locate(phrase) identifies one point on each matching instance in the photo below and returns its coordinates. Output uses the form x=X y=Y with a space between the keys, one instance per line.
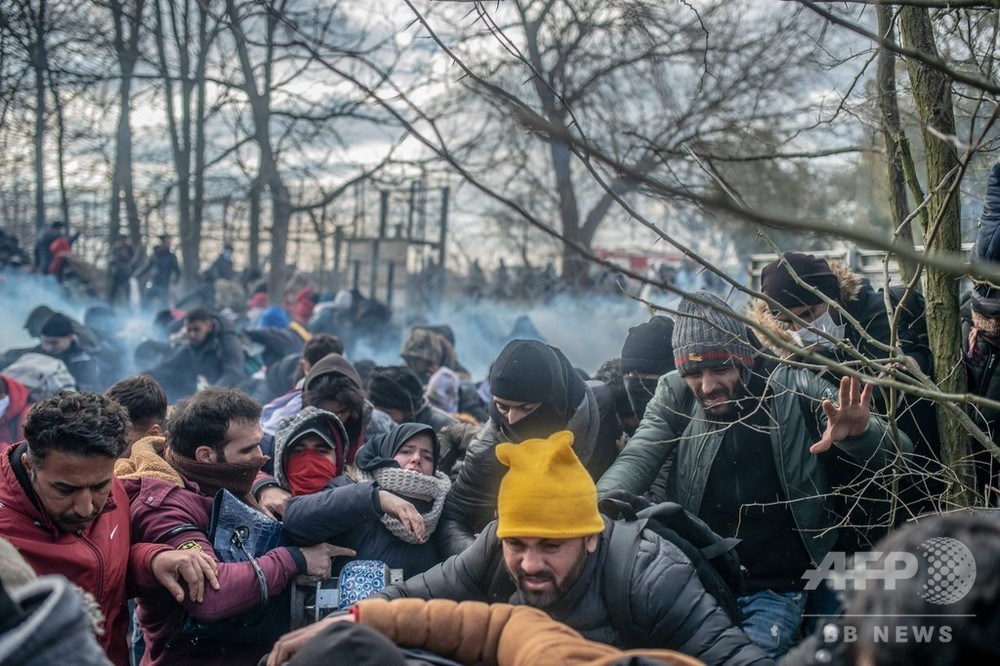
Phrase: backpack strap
x=623 y=547
x=721 y=547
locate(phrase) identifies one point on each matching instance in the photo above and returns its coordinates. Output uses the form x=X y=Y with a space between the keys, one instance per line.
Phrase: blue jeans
x=771 y=619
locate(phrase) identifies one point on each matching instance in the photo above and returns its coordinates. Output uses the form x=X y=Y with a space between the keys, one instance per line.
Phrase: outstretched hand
x=849 y=418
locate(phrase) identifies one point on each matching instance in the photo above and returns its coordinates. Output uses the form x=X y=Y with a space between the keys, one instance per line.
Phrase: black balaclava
x=532 y=371
x=640 y=391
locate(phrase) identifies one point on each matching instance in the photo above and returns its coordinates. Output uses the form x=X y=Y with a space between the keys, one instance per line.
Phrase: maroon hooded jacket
x=99 y=559
x=12 y=421
x=159 y=508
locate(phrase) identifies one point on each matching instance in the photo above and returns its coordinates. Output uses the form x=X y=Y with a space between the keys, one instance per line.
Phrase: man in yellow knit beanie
x=548 y=518
x=551 y=549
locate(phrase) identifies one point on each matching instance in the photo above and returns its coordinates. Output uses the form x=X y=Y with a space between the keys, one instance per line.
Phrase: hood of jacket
x=333 y=364
x=382 y=449
x=759 y=311
x=291 y=428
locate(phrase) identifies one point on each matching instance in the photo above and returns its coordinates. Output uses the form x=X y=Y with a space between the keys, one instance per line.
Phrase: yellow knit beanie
x=547 y=493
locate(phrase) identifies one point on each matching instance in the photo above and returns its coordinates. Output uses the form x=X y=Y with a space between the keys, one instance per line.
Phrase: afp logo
x=948 y=565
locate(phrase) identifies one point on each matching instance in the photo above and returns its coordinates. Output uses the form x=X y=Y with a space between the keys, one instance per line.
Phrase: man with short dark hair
x=212 y=352
x=59 y=340
x=213 y=443
x=146 y=403
x=553 y=551
x=61 y=506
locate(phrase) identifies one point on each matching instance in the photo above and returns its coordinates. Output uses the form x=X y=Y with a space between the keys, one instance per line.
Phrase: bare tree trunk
x=183 y=121
x=198 y=200
x=281 y=206
x=127 y=49
x=39 y=63
x=60 y=148
x=932 y=94
x=254 y=231
x=896 y=142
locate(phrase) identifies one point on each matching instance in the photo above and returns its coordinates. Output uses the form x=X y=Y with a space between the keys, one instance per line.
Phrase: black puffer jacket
x=472 y=502
x=670 y=608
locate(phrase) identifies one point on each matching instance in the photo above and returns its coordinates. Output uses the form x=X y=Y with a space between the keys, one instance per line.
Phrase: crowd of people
x=671 y=509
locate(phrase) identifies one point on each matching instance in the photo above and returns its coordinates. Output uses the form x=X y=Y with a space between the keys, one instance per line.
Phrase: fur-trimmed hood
x=759 y=310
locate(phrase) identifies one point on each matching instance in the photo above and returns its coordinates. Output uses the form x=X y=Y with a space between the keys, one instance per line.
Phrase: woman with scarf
x=385 y=506
x=535 y=393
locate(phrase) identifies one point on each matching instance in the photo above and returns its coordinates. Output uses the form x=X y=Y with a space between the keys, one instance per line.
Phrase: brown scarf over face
x=237 y=478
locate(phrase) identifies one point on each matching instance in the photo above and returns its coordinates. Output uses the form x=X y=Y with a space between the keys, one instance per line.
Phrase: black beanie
x=647 y=349
x=57 y=326
x=778 y=282
x=985 y=300
x=528 y=371
x=395 y=387
x=709 y=336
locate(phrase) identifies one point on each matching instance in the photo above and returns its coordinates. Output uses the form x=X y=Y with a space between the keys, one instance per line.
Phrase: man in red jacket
x=14 y=406
x=61 y=506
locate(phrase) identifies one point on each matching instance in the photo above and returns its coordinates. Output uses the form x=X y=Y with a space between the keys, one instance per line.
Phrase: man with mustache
x=737 y=427
x=551 y=549
x=66 y=513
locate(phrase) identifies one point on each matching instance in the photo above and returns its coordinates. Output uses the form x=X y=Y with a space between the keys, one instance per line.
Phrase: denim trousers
x=771 y=619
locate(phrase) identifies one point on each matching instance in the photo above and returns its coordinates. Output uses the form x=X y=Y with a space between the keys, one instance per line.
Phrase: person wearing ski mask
x=385 y=507
x=647 y=355
x=309 y=451
x=535 y=393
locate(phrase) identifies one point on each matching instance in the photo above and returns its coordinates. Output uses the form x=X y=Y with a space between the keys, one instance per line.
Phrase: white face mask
x=4 y=404
x=810 y=337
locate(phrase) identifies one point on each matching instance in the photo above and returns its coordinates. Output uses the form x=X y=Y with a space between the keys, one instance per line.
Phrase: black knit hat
x=395 y=387
x=647 y=349
x=985 y=300
x=528 y=371
x=709 y=336
x=778 y=282
x=57 y=326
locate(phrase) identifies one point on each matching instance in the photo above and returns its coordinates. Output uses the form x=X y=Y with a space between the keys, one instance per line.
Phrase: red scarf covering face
x=309 y=471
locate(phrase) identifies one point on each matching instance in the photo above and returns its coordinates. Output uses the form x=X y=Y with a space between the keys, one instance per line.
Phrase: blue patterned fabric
x=360 y=579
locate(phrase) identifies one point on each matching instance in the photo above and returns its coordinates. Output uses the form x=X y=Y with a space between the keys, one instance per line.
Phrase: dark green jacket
x=675 y=425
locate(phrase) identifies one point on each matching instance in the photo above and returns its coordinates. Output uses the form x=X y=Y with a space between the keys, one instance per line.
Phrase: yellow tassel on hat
x=546 y=493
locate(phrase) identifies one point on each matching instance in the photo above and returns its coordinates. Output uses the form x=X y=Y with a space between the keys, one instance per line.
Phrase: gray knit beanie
x=708 y=336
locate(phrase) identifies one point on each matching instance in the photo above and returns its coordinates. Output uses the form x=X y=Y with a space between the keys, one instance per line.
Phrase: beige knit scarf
x=407 y=483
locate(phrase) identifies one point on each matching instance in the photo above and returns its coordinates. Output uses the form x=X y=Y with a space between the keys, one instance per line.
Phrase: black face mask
x=640 y=391
x=541 y=423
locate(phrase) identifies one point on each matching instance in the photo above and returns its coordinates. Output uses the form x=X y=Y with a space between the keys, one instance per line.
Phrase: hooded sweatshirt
x=335 y=364
x=291 y=430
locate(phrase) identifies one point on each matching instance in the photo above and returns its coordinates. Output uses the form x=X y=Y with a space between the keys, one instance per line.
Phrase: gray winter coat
x=670 y=608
